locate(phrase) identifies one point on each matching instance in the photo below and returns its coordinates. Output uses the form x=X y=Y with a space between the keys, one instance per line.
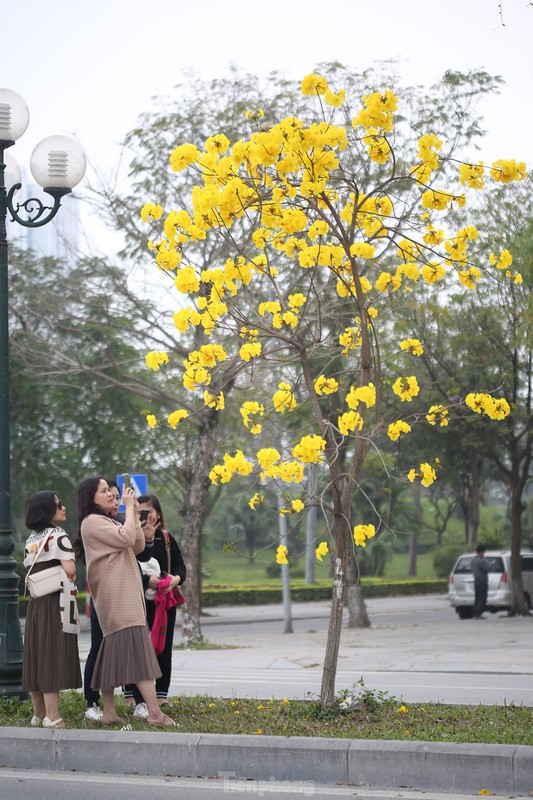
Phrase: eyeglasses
x=59 y=505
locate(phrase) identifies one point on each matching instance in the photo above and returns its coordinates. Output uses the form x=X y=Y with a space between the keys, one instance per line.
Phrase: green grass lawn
x=374 y=715
x=230 y=569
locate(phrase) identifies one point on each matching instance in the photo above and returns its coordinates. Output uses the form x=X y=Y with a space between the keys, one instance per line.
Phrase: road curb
x=302 y=761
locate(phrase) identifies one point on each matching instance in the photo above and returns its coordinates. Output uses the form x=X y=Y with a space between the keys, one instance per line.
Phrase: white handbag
x=46 y=581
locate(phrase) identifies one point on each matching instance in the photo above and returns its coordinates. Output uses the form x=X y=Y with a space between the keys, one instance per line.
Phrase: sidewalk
x=500 y=645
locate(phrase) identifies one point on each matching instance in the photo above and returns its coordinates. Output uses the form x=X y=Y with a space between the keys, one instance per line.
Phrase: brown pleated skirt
x=51 y=660
x=126 y=656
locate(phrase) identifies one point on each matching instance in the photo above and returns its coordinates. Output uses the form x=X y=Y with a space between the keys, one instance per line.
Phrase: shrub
x=444 y=558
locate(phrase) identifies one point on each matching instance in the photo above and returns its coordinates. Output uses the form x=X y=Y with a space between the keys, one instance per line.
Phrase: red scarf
x=162 y=603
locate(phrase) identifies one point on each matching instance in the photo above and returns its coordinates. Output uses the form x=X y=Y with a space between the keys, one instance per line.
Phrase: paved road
x=417 y=649
x=21 y=785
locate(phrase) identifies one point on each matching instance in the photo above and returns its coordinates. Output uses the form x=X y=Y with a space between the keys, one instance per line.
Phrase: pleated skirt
x=51 y=660
x=126 y=656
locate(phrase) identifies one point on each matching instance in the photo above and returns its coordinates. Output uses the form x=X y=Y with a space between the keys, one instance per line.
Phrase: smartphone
x=126 y=480
x=143 y=514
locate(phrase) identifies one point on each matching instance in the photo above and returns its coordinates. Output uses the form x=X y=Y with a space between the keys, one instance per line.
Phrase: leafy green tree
x=74 y=391
x=489 y=342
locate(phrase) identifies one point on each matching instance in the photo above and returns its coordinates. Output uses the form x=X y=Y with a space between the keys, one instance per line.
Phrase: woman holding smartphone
x=126 y=654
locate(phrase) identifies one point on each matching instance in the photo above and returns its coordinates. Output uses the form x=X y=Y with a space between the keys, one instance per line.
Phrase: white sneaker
x=141 y=710
x=94 y=713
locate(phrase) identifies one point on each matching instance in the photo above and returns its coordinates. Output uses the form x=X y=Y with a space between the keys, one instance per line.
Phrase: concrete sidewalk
x=500 y=644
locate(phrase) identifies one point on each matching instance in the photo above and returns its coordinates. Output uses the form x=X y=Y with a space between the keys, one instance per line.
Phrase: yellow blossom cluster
x=281 y=555
x=361 y=394
x=396 y=429
x=414 y=346
x=283 y=399
x=296 y=506
x=350 y=340
x=325 y=385
x=428 y=147
x=506 y=171
x=233 y=465
x=426 y=473
x=250 y=350
x=154 y=360
x=321 y=551
x=349 y=422
x=256 y=500
x=252 y=408
x=269 y=460
x=317 y=84
x=309 y=449
x=377 y=111
x=495 y=408
x=438 y=414
x=151 y=211
x=363 y=532
x=176 y=417
x=406 y=388
x=216 y=401
x=198 y=364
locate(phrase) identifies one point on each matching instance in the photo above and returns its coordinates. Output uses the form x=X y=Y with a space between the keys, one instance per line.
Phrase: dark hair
x=156 y=505
x=480 y=548
x=85 y=506
x=112 y=484
x=42 y=508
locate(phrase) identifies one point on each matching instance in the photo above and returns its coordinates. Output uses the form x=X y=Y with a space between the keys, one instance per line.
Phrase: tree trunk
x=473 y=488
x=413 y=543
x=329 y=670
x=193 y=513
x=517 y=508
x=353 y=597
x=413 y=538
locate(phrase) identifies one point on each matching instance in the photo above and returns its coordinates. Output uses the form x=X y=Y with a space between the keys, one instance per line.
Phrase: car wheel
x=465 y=612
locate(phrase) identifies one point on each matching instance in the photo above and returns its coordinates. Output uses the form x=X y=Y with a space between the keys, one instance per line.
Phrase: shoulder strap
x=166 y=537
x=44 y=541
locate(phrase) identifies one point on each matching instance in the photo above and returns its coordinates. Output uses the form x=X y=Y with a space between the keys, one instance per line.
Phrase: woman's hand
x=173 y=583
x=153 y=580
x=128 y=497
x=149 y=530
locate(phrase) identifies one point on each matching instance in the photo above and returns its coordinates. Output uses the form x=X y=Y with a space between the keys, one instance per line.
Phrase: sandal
x=36 y=722
x=165 y=723
x=53 y=723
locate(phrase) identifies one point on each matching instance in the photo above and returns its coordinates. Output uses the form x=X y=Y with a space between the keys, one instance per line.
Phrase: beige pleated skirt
x=51 y=660
x=126 y=656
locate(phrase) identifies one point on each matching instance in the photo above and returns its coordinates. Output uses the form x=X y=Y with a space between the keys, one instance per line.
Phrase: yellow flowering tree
x=328 y=214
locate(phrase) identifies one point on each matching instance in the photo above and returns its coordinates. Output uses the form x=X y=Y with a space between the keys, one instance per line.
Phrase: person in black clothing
x=92 y=696
x=480 y=572
x=163 y=547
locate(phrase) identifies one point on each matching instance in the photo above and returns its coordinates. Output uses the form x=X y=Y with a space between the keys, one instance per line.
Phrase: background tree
x=489 y=342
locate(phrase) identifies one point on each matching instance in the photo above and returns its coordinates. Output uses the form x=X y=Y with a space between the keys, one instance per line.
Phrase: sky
x=90 y=69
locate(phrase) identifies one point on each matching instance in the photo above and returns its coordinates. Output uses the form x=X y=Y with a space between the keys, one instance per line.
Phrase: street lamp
x=57 y=164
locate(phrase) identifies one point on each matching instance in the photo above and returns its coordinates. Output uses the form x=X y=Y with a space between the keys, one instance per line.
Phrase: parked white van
x=500 y=592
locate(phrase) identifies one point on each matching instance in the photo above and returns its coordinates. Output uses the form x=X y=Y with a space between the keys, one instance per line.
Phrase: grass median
x=359 y=714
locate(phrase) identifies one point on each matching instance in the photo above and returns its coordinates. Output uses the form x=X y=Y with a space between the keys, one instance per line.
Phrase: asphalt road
x=22 y=785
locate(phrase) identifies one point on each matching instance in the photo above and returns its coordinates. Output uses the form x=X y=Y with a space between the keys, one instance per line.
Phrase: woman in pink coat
x=126 y=654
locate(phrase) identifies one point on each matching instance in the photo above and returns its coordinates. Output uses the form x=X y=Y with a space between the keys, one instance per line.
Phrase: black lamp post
x=57 y=164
